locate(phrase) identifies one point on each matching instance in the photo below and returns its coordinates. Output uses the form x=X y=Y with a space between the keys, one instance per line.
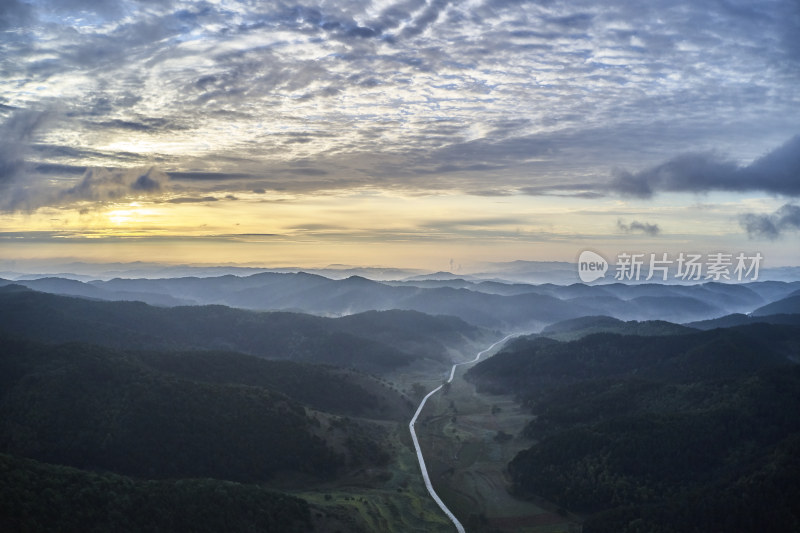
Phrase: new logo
x=591 y=266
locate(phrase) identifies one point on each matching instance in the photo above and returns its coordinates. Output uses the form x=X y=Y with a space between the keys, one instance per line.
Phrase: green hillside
x=361 y=342
x=587 y=325
x=695 y=432
x=37 y=497
x=94 y=408
x=325 y=388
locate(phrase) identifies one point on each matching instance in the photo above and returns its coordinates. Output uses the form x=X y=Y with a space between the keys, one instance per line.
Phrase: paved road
x=421 y=459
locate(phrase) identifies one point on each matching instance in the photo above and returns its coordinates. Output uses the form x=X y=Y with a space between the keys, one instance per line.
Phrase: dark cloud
x=638 y=227
x=690 y=172
x=192 y=200
x=579 y=21
x=145 y=183
x=428 y=16
x=56 y=152
x=59 y=169
x=207 y=176
x=395 y=15
x=101 y=185
x=489 y=193
x=27 y=186
x=586 y=195
x=16 y=135
x=14 y=14
x=772 y=226
x=791 y=36
x=308 y=171
x=777 y=172
x=157 y=124
x=573 y=190
x=17 y=175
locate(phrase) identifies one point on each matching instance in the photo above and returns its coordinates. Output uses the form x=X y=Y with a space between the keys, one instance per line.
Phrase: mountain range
x=489 y=304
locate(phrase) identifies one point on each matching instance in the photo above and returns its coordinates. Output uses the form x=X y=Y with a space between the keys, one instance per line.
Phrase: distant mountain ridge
x=789 y=305
x=482 y=303
x=580 y=327
x=518 y=271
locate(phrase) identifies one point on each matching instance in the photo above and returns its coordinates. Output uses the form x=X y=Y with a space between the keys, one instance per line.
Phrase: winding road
x=420 y=458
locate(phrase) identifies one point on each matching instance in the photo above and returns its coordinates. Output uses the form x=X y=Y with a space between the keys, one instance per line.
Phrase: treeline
x=685 y=433
x=532 y=365
x=37 y=497
x=183 y=426
x=90 y=407
x=322 y=387
x=580 y=327
x=362 y=342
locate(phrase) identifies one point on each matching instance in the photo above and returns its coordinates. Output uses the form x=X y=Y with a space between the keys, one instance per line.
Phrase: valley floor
x=467 y=439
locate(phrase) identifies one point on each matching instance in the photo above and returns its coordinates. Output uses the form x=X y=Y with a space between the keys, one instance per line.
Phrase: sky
x=418 y=133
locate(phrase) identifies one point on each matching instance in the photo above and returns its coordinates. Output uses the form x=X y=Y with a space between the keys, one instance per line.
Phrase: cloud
x=772 y=226
x=494 y=95
x=207 y=176
x=428 y=16
x=146 y=125
x=106 y=8
x=102 y=185
x=98 y=185
x=59 y=169
x=192 y=200
x=636 y=226
x=26 y=185
x=564 y=190
x=16 y=135
x=14 y=13
x=777 y=172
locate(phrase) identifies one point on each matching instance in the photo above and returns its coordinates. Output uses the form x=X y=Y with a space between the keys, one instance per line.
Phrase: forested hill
x=586 y=325
x=93 y=408
x=140 y=422
x=530 y=363
x=359 y=341
x=37 y=497
x=322 y=387
x=695 y=432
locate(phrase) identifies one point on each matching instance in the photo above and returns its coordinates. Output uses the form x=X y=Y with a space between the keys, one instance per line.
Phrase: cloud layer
x=486 y=96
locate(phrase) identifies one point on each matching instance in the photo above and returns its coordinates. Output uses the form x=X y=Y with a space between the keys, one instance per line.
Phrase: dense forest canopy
x=685 y=432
